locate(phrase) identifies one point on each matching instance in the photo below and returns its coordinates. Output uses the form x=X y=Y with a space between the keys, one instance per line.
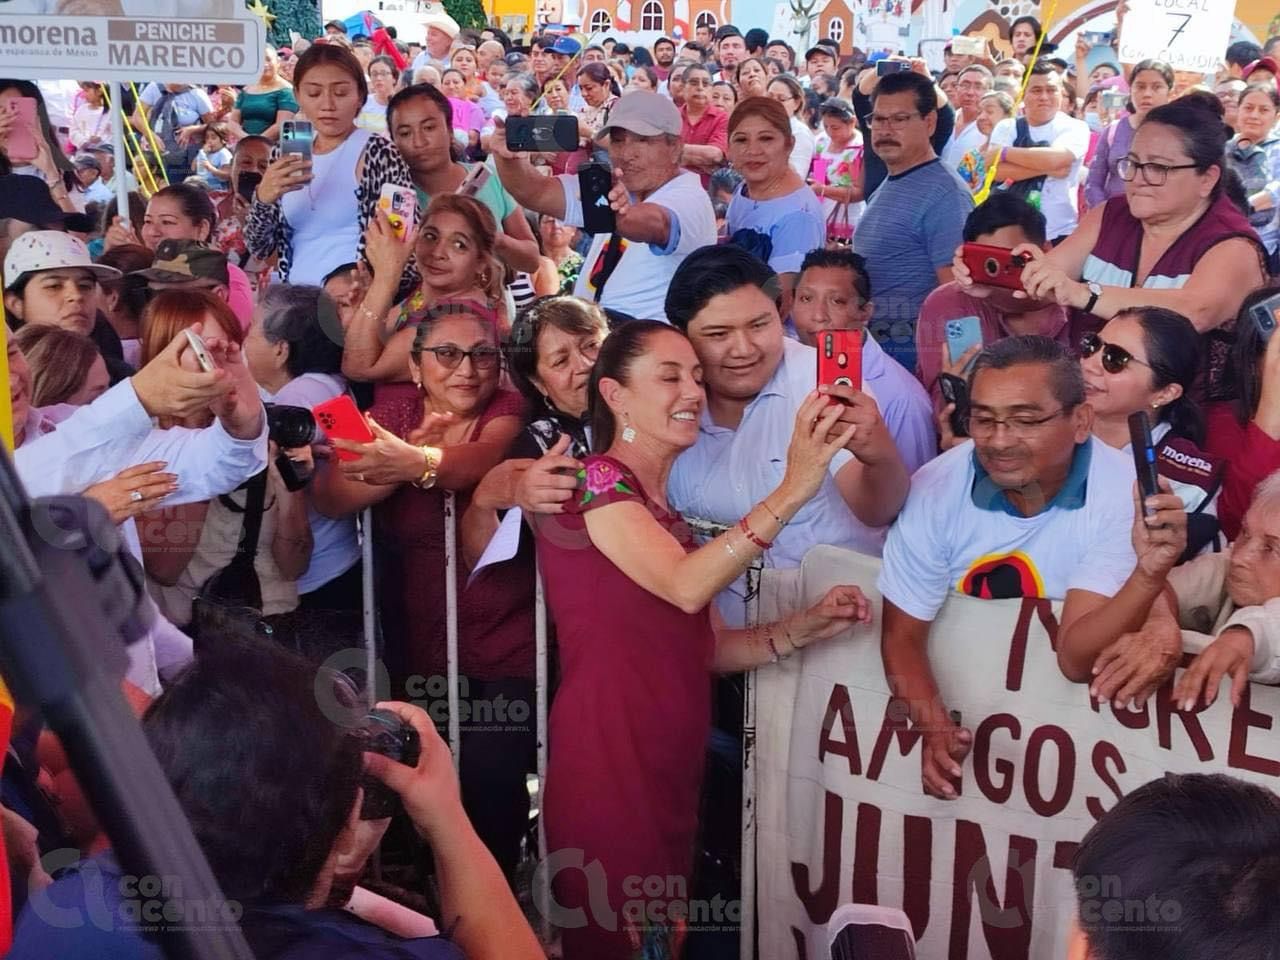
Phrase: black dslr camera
x=290 y=427
x=381 y=731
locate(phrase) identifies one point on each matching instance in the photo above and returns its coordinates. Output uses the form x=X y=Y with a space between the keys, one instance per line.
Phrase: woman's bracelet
x=431 y=467
x=751 y=535
x=769 y=510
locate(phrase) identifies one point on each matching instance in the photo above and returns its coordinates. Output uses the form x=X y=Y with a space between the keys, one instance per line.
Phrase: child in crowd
x=213 y=162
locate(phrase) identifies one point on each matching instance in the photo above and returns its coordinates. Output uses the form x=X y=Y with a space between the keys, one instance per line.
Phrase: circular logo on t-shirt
x=1003 y=576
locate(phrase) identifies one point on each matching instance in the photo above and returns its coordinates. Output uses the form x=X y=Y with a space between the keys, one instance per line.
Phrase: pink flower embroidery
x=601 y=476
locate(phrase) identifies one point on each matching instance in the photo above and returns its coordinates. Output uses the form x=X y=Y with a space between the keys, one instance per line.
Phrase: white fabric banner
x=843 y=816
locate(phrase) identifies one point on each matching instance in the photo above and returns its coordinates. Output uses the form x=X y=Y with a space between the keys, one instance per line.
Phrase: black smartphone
x=955 y=390
x=1144 y=455
x=1265 y=316
x=858 y=931
x=886 y=67
x=595 y=180
x=558 y=134
x=248 y=182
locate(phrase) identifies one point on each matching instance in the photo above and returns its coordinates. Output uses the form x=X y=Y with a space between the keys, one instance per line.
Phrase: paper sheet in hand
x=503 y=544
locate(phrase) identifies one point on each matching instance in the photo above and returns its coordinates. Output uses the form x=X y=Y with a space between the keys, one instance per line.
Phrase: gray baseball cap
x=645 y=113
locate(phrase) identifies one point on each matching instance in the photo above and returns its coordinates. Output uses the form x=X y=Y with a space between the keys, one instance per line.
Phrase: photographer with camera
x=282 y=827
x=294 y=351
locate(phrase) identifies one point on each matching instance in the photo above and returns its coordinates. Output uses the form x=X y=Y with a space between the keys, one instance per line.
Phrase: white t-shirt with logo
x=638 y=286
x=1058 y=198
x=962 y=141
x=942 y=541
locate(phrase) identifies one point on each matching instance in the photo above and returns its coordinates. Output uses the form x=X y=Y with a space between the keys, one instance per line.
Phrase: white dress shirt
x=115 y=432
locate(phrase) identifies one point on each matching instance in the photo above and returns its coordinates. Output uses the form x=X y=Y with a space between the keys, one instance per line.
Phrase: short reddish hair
x=767 y=109
x=173 y=310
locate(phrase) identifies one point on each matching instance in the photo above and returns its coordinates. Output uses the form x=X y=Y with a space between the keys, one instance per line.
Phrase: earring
x=628 y=431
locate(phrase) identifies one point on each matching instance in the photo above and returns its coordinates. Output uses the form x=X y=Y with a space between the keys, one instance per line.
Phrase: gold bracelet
x=431 y=467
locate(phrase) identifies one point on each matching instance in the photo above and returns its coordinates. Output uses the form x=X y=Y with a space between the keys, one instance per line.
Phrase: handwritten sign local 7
x=842 y=815
x=196 y=41
x=1187 y=34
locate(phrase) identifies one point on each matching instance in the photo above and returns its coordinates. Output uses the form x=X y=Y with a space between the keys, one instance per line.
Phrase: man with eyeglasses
x=915 y=221
x=971 y=86
x=1033 y=506
x=1043 y=151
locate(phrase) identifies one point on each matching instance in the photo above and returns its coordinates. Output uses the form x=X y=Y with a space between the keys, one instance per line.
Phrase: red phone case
x=993 y=266
x=840 y=358
x=22 y=135
x=340 y=418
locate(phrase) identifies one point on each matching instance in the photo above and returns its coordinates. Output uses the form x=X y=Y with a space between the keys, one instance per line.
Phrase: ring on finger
x=136 y=496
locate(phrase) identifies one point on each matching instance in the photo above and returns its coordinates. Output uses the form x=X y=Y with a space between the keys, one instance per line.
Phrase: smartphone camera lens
x=992 y=266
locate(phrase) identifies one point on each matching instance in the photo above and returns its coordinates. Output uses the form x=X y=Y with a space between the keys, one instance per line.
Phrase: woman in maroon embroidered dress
x=630 y=594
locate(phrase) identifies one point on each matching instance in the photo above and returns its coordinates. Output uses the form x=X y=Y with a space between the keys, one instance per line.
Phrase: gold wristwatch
x=431 y=467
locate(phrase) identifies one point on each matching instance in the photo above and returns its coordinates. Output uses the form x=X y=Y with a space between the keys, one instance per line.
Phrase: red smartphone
x=21 y=146
x=840 y=358
x=340 y=418
x=994 y=266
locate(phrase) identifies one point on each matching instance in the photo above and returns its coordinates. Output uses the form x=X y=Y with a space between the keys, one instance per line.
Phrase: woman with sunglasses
x=1147 y=359
x=455 y=252
x=1173 y=240
x=1246 y=430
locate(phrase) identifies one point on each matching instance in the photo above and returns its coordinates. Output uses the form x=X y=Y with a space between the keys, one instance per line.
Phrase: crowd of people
x=635 y=413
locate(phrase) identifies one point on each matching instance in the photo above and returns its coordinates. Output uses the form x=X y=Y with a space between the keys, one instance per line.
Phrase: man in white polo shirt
x=1060 y=145
x=1033 y=506
x=662 y=212
x=972 y=85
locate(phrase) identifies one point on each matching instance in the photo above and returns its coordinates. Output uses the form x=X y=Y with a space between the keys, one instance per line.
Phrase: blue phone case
x=963 y=333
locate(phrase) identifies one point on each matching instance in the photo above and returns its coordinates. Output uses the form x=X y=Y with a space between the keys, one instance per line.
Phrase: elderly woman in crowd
x=519 y=92
x=455 y=251
x=313 y=213
x=178 y=572
x=1173 y=240
x=650 y=593
x=293 y=352
x=773 y=213
x=455 y=429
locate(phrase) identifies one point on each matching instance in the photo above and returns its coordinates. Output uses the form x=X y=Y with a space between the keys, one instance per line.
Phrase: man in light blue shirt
x=833 y=292
x=756 y=379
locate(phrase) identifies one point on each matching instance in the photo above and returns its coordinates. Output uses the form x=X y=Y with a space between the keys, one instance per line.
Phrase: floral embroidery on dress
x=601 y=476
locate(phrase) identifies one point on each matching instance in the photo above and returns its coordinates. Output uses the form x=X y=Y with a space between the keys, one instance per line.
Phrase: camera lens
x=290 y=427
x=992 y=266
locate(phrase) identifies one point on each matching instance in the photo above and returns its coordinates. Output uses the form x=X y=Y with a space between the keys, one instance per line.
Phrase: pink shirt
x=949 y=302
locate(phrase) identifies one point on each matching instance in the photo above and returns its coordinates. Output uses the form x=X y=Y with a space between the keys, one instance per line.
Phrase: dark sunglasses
x=1114 y=359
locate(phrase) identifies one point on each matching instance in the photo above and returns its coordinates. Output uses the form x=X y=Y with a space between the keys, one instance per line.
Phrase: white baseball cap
x=41 y=250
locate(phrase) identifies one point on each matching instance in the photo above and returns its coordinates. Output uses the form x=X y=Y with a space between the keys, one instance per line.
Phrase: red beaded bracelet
x=750 y=535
